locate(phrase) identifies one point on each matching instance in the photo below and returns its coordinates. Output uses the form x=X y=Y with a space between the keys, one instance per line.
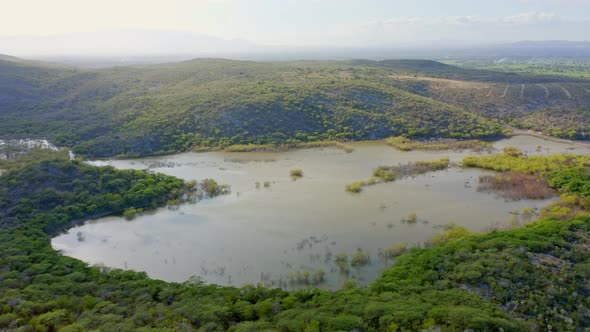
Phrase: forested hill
x=166 y=108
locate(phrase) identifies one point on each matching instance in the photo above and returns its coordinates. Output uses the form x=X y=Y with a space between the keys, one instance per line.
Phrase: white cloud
x=536 y=25
x=530 y=18
x=523 y=18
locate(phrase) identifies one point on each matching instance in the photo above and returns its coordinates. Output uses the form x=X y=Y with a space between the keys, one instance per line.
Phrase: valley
x=355 y=195
x=294 y=166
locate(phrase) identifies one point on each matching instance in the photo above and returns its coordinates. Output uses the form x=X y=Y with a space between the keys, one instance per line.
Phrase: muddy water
x=270 y=234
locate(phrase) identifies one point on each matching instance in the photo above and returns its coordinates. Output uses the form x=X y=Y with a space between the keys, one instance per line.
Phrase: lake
x=276 y=235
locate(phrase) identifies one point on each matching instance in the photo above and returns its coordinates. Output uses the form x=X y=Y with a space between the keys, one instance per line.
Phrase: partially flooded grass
x=394 y=251
x=307 y=277
x=360 y=258
x=384 y=174
x=516 y=186
x=412 y=218
x=405 y=144
x=296 y=173
x=452 y=232
x=341 y=261
x=288 y=146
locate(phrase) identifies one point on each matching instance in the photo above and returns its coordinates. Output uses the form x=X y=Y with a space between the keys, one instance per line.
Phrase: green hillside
x=209 y=102
x=146 y=110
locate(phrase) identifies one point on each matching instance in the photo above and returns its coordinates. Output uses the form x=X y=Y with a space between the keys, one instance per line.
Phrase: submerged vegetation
x=209 y=188
x=307 y=277
x=360 y=258
x=405 y=144
x=384 y=174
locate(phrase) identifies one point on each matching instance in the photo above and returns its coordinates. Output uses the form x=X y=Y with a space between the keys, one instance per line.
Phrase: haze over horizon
x=153 y=27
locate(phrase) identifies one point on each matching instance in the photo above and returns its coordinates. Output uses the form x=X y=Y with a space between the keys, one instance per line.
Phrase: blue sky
x=311 y=22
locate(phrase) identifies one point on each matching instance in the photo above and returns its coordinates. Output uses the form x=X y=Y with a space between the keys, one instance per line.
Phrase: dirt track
x=567 y=93
x=505 y=91
x=547 y=93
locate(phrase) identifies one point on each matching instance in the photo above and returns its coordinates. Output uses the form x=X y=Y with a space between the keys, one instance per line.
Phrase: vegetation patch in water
x=453 y=232
x=394 y=251
x=412 y=218
x=384 y=174
x=405 y=144
x=288 y=146
x=131 y=213
x=296 y=173
x=566 y=173
x=307 y=277
x=360 y=258
x=342 y=262
x=210 y=188
x=516 y=186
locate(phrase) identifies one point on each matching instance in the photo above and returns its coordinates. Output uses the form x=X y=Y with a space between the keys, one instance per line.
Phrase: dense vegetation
x=213 y=103
x=217 y=103
x=567 y=67
x=51 y=194
x=557 y=122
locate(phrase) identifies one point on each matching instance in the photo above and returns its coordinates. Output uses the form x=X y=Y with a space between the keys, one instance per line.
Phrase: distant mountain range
x=104 y=49
x=121 y=43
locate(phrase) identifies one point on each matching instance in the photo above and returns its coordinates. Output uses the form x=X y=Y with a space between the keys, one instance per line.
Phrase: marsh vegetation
x=296 y=173
x=406 y=144
x=288 y=146
x=516 y=186
x=383 y=174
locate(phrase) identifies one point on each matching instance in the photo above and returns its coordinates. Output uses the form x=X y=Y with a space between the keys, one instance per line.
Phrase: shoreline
x=519 y=132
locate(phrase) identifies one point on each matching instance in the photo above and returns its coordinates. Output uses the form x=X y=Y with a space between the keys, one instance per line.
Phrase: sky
x=309 y=22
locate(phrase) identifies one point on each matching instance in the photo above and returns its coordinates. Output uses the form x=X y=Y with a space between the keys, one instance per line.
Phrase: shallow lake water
x=268 y=235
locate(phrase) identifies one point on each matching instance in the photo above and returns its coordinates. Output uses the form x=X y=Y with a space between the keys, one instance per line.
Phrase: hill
x=154 y=109
x=210 y=102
